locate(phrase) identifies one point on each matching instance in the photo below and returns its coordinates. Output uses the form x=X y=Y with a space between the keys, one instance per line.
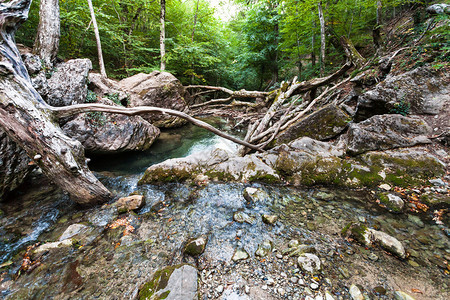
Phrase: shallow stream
x=105 y=263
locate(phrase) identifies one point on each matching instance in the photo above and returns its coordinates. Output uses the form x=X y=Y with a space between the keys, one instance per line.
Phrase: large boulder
x=104 y=133
x=384 y=132
x=323 y=124
x=419 y=91
x=68 y=83
x=105 y=87
x=438 y=9
x=160 y=89
x=14 y=165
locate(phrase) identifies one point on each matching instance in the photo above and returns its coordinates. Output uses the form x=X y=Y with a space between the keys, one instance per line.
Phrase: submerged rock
x=130 y=203
x=160 y=89
x=54 y=245
x=264 y=249
x=269 y=219
x=72 y=231
x=240 y=254
x=393 y=202
x=399 y=295
x=242 y=217
x=355 y=293
x=386 y=132
x=195 y=247
x=171 y=283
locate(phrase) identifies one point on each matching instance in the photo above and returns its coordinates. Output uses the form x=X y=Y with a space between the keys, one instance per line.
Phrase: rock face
x=172 y=283
x=384 y=132
x=104 y=133
x=323 y=124
x=13 y=165
x=420 y=91
x=439 y=9
x=68 y=84
x=160 y=89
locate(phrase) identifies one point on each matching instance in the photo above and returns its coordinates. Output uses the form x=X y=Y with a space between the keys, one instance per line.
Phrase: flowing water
x=105 y=263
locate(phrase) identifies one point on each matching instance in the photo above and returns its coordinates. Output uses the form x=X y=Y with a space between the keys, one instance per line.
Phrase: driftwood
x=262 y=132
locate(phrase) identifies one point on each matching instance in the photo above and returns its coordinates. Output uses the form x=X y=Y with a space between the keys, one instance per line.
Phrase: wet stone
x=269 y=219
x=242 y=217
x=240 y=255
x=355 y=293
x=264 y=249
x=196 y=246
x=130 y=203
x=399 y=295
x=309 y=263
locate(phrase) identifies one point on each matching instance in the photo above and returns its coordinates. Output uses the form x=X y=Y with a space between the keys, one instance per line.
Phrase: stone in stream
x=242 y=217
x=72 y=231
x=393 y=202
x=269 y=219
x=195 y=247
x=130 y=203
x=240 y=254
x=172 y=283
x=264 y=249
x=399 y=295
x=252 y=195
x=309 y=263
x=355 y=293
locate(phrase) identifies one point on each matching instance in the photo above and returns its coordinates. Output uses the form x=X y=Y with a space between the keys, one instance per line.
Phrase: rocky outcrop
x=419 y=91
x=68 y=83
x=439 y=9
x=14 y=165
x=106 y=87
x=160 y=89
x=323 y=124
x=384 y=132
x=105 y=133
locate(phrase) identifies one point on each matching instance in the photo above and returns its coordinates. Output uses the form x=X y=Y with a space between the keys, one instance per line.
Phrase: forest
x=265 y=42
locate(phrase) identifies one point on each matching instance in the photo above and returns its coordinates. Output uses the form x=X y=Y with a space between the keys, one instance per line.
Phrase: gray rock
x=438 y=9
x=72 y=231
x=68 y=84
x=323 y=124
x=40 y=83
x=172 y=283
x=393 y=202
x=355 y=293
x=386 y=132
x=106 y=133
x=160 y=89
x=32 y=63
x=14 y=165
x=269 y=219
x=106 y=87
x=388 y=243
x=309 y=263
x=129 y=203
x=240 y=254
x=242 y=217
x=54 y=245
x=399 y=295
x=437 y=182
x=424 y=90
x=252 y=195
x=264 y=249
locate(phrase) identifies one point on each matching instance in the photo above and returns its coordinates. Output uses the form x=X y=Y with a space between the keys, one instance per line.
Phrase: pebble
x=293 y=244
x=373 y=257
x=385 y=187
x=270 y=281
x=264 y=287
x=355 y=293
x=301 y=281
x=247 y=289
x=279 y=256
x=314 y=286
x=294 y=279
x=281 y=291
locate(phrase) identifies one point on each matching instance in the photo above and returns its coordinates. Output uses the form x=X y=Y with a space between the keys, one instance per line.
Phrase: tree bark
x=322 y=38
x=97 y=38
x=379 y=8
x=195 y=22
x=162 y=36
x=46 y=44
x=351 y=52
x=26 y=119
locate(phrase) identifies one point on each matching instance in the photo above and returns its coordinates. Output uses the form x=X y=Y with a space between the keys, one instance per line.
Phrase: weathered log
x=26 y=119
x=351 y=52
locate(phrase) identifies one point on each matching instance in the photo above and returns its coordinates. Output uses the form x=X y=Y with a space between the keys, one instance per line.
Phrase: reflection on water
x=179 y=142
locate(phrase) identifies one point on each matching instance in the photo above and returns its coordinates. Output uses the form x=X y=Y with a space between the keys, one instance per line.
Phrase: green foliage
x=96 y=119
x=401 y=107
x=91 y=97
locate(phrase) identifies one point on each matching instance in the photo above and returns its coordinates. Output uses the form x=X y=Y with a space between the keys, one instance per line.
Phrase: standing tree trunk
x=26 y=118
x=97 y=38
x=162 y=36
x=379 y=8
x=322 y=38
x=195 y=22
x=46 y=43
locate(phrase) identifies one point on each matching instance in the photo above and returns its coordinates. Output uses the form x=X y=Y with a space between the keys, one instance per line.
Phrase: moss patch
x=158 y=282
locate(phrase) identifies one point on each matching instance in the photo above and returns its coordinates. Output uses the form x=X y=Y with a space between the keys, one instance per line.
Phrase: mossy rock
x=163 y=174
x=357 y=231
x=158 y=282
